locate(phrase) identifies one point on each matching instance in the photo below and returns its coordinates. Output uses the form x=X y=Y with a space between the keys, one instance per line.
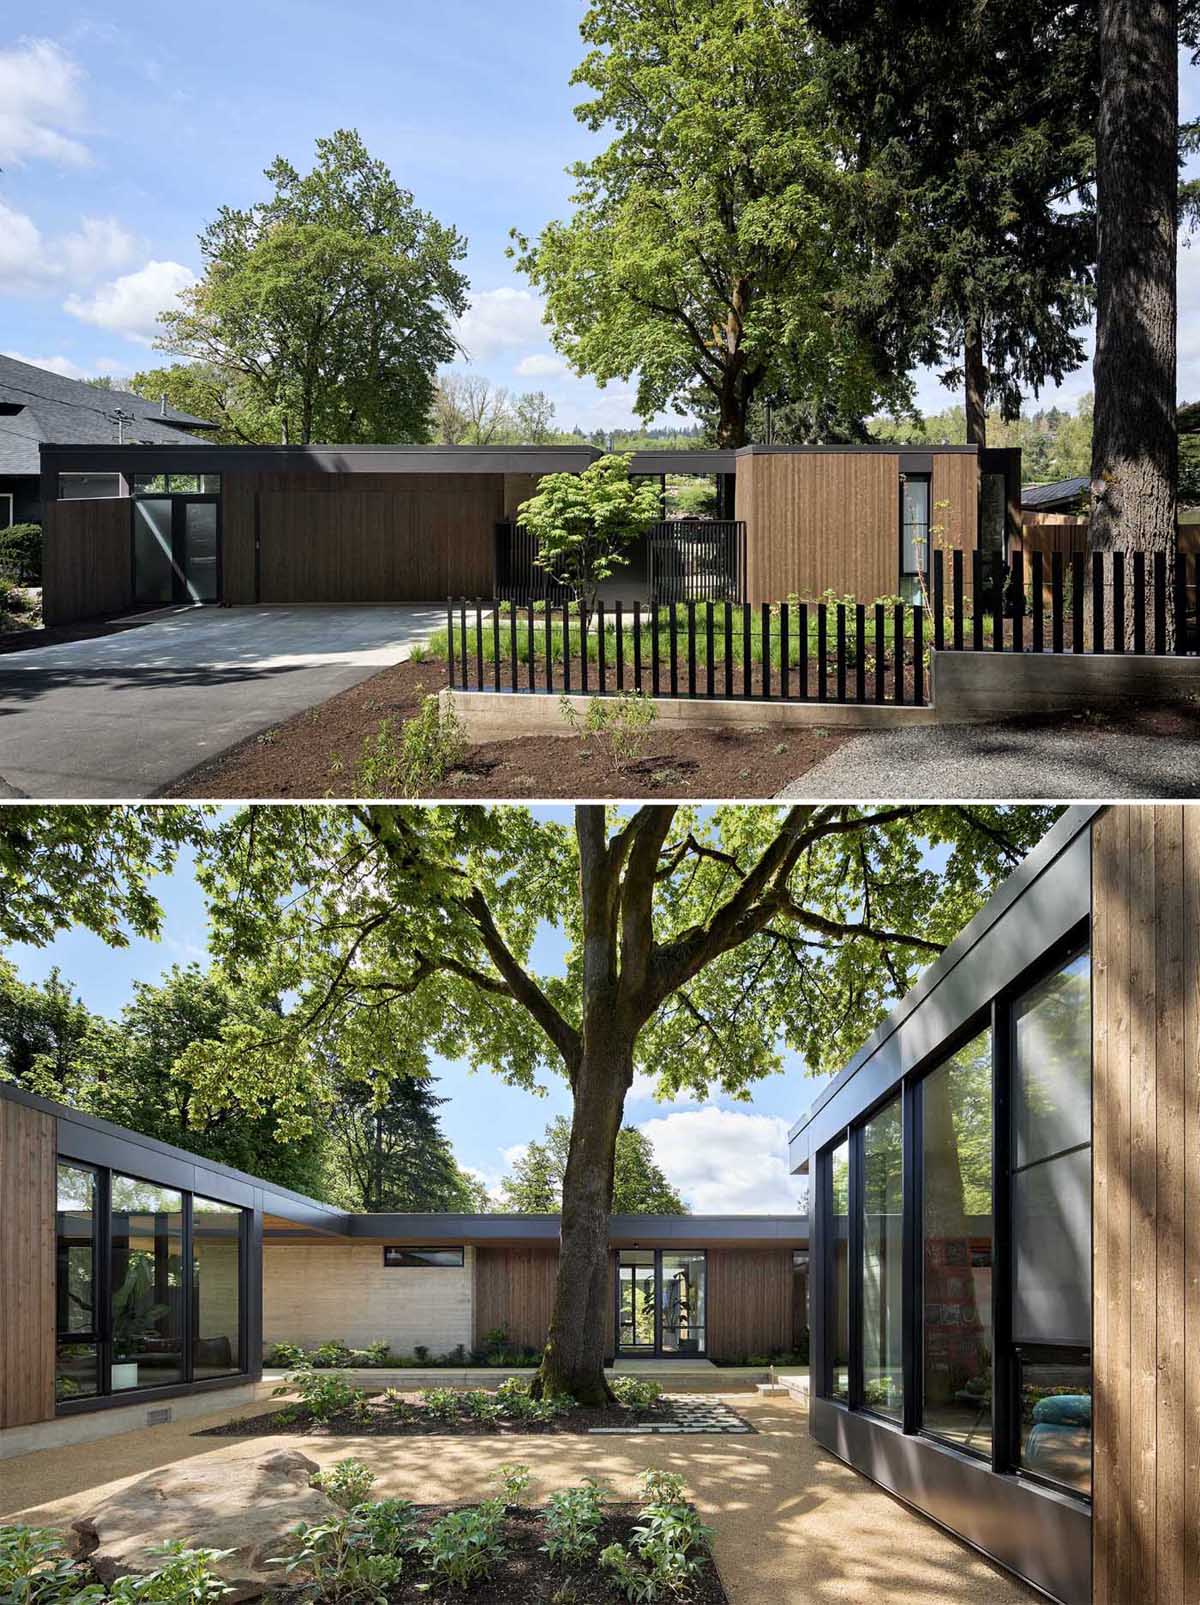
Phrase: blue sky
x=121 y=135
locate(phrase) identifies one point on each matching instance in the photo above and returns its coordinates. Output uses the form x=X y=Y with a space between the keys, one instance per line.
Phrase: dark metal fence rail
x=701 y=560
x=519 y=576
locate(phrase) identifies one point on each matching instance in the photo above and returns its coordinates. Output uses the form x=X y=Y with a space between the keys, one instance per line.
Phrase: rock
x=244 y=1505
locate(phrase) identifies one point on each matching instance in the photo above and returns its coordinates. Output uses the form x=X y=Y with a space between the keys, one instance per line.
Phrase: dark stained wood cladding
x=749 y=1301
x=27 y=1199
x=1146 y=1205
x=514 y=1293
x=330 y=538
x=87 y=561
x=954 y=499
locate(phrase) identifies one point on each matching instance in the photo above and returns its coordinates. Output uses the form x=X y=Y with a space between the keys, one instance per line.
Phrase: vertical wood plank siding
x=955 y=480
x=514 y=1293
x=346 y=538
x=27 y=1198
x=87 y=567
x=1146 y=1202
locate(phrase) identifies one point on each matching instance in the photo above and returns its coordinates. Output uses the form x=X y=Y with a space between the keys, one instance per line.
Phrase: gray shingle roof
x=1059 y=493
x=69 y=412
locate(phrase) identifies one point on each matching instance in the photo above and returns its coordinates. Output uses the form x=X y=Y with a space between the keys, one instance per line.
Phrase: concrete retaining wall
x=977 y=687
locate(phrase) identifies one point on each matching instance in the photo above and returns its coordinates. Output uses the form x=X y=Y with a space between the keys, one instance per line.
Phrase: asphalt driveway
x=125 y=715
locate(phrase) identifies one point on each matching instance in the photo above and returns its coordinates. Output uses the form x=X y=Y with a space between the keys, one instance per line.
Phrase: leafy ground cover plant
x=573 y=1517
x=337 y=1562
x=37 y=1568
x=465 y=1546
x=514 y=1479
x=638 y=1393
x=441 y=1404
x=668 y=1549
x=428 y=747
x=347 y=1482
x=186 y=1577
x=320 y=1395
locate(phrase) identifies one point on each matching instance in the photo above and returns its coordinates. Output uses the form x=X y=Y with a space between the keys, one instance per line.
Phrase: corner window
x=839 y=1313
x=882 y=1227
x=77 y=1369
x=436 y=1258
x=216 y=1288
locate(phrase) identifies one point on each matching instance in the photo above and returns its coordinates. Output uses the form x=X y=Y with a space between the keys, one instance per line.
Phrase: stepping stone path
x=690 y=1412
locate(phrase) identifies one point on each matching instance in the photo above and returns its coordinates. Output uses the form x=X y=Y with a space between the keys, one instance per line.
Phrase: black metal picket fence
x=829 y=650
x=678 y=560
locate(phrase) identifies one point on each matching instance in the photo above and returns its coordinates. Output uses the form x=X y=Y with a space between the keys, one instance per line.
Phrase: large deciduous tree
x=535 y=1186
x=700 y=948
x=332 y=300
x=973 y=128
x=709 y=254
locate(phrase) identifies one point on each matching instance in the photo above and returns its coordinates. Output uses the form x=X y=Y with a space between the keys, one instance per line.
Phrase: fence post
x=496 y=647
x=1098 y=602
x=450 y=642
x=637 y=646
x=860 y=652
x=531 y=648
x=918 y=615
x=784 y=665
x=939 y=600
x=512 y=643
x=549 y=616
x=583 y=651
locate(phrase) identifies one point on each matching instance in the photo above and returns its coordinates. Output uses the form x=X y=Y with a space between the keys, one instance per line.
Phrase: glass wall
x=1052 y=1224
x=682 y=1300
x=914 y=534
x=216 y=1288
x=882 y=1222
x=839 y=1359
x=77 y=1367
x=146 y=1230
x=153 y=559
x=635 y=1299
x=956 y=1247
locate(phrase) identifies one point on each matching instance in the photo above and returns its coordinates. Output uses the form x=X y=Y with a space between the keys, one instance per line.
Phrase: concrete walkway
x=793 y=1525
x=1004 y=763
x=125 y=715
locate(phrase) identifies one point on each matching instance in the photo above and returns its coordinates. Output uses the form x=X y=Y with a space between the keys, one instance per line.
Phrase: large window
x=956 y=1247
x=216 y=1288
x=914 y=534
x=1052 y=1225
x=661 y=1301
x=88 y=487
x=682 y=1301
x=882 y=1221
x=146 y=1230
x=839 y=1324
x=77 y=1367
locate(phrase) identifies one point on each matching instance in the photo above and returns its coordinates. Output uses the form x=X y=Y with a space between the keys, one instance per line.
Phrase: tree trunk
x=1134 y=442
x=975 y=370
x=573 y=1361
x=731 y=423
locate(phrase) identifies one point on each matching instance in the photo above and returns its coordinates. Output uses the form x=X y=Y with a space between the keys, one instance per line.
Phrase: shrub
x=390 y=1524
x=572 y=1520
x=36 y=1568
x=330 y=1355
x=514 y=1480
x=662 y=1487
x=186 y=1577
x=339 y=1562
x=638 y=1393
x=21 y=553
x=429 y=747
x=17 y=611
x=513 y=1388
x=668 y=1547
x=321 y=1395
x=480 y=1405
x=287 y=1356
x=465 y=1546
x=619 y=725
x=379 y=1352
x=347 y=1482
x=397 y=1405
x=441 y=1404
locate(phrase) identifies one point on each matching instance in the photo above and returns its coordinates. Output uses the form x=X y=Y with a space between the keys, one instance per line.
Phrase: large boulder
x=243 y=1505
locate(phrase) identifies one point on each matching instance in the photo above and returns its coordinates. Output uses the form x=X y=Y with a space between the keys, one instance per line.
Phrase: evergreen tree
x=390 y=1154
x=639 y=1186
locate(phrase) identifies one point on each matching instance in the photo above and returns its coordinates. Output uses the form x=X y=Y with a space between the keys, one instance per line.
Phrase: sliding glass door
x=661 y=1302
x=176 y=548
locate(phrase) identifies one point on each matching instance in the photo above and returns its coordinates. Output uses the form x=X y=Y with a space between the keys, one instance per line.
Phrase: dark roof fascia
x=1075 y=820
x=202 y=457
x=684 y=462
x=889 y=448
x=658 y=1229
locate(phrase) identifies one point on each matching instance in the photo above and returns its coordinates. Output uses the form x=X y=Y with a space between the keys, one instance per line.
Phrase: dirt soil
x=383 y=1422
x=316 y=754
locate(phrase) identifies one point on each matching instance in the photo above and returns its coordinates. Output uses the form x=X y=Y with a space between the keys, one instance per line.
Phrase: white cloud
x=60 y=365
x=130 y=305
x=41 y=105
x=499 y=321
x=726 y=1163
x=540 y=365
x=100 y=245
x=21 y=250
x=31 y=262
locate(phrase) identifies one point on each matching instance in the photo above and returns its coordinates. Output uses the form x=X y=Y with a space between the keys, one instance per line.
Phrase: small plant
x=339 y=1563
x=320 y=1395
x=346 y=1482
x=636 y=1393
x=330 y=1355
x=441 y=1404
x=390 y=1524
x=514 y=1480
x=668 y=1548
x=186 y=1577
x=465 y=1546
x=481 y=1406
x=513 y=1388
x=286 y=1356
x=620 y=725
x=378 y=1353
x=36 y=1568
x=573 y=1519
x=662 y=1487
x=397 y=1405
x=429 y=747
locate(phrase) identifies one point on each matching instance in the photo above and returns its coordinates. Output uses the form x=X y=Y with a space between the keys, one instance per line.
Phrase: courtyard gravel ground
x=793 y=1525
x=1003 y=762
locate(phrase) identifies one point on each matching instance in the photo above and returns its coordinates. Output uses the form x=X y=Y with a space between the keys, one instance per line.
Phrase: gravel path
x=1006 y=762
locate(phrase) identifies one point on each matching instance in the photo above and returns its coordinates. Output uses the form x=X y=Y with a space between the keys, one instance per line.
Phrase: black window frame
x=655 y=1350
x=925 y=476
x=179 y=502
x=997 y=1015
x=92 y=1337
x=415 y=1264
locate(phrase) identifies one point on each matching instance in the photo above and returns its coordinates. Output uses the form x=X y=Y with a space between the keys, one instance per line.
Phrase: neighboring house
x=86 y=1205
x=1005 y=1216
x=38 y=407
x=368 y=524
x=1057 y=496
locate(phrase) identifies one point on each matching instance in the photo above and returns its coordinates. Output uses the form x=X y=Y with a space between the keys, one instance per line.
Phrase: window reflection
x=76 y=1372
x=883 y=1204
x=956 y=1229
x=147 y=1285
x=839 y=1325
x=216 y=1288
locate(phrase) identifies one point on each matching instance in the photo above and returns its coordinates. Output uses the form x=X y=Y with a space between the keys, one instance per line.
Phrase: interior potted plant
x=135 y=1319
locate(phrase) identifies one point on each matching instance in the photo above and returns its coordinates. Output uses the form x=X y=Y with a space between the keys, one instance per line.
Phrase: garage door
x=402 y=545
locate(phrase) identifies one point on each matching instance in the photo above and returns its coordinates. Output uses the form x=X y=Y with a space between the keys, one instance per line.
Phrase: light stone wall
x=317 y=1291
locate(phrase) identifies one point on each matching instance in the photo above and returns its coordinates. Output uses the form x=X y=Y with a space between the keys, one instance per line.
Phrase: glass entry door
x=661 y=1302
x=176 y=549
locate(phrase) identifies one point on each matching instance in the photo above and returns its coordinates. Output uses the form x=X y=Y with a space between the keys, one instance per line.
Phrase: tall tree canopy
x=974 y=129
x=700 y=947
x=709 y=254
x=332 y=301
x=639 y=1186
x=389 y=1152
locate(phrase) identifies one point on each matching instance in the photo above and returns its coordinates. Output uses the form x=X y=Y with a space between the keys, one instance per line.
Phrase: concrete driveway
x=125 y=715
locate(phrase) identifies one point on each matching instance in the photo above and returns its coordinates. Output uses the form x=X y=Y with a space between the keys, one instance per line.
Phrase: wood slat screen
x=87 y=563
x=27 y=1200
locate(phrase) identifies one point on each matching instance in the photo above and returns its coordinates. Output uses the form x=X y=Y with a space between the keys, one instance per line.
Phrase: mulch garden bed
x=316 y=754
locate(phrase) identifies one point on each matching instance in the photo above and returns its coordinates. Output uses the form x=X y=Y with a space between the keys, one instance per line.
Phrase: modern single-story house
x=38 y=407
x=101 y=1313
x=376 y=524
x=1005 y=1213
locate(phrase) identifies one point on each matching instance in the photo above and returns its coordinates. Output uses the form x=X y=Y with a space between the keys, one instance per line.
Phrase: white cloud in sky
x=32 y=262
x=724 y=1162
x=60 y=365
x=130 y=304
x=540 y=365
x=500 y=321
x=41 y=105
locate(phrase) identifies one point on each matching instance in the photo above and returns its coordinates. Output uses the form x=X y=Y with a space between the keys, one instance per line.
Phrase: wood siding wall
x=1146 y=1201
x=346 y=538
x=514 y=1293
x=27 y=1200
x=955 y=483
x=87 y=564
x=749 y=1301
